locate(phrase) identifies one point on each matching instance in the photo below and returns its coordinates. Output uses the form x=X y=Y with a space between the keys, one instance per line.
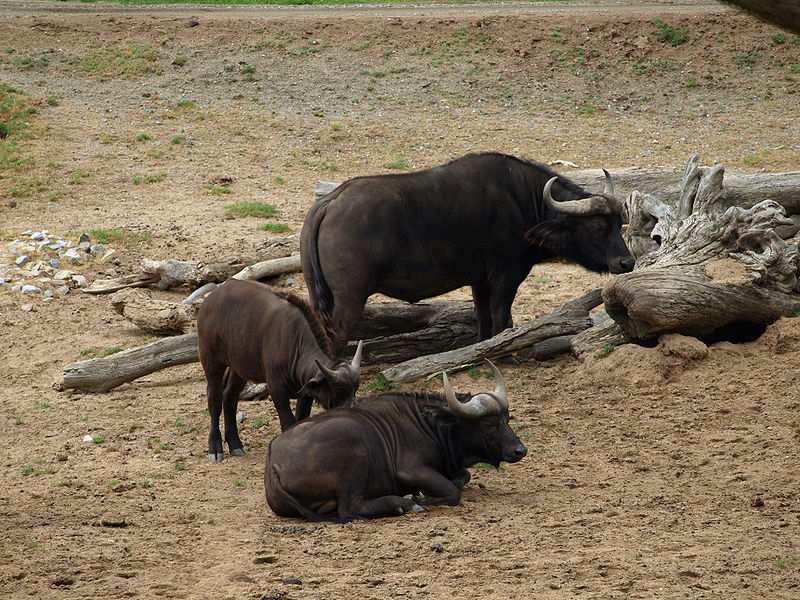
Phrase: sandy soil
x=664 y=472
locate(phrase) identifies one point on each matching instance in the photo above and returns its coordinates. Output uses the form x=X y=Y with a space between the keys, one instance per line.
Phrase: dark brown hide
x=479 y=221
x=384 y=456
x=246 y=332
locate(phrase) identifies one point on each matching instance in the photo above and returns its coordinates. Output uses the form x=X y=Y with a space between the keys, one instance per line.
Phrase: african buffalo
x=246 y=331
x=388 y=453
x=482 y=220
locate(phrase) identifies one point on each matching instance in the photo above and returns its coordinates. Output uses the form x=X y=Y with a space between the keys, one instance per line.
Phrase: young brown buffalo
x=246 y=331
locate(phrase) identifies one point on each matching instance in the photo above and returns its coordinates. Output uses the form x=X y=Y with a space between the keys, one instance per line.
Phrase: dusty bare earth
x=665 y=472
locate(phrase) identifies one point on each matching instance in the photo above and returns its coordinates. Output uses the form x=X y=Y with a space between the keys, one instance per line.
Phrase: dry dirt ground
x=652 y=473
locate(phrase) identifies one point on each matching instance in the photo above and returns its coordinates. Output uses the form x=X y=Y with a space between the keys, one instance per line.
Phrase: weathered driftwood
x=273 y=257
x=154 y=316
x=571 y=318
x=270 y=268
x=607 y=334
x=107 y=286
x=704 y=269
x=664 y=185
x=103 y=374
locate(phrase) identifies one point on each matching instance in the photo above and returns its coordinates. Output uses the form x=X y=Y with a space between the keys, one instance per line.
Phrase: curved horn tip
x=609 y=188
x=356 y=362
x=500 y=388
x=329 y=374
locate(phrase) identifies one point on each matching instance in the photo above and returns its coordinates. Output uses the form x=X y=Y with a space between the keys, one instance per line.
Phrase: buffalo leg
x=303 y=408
x=280 y=398
x=481 y=298
x=372 y=508
x=434 y=488
x=230 y=403
x=214 y=377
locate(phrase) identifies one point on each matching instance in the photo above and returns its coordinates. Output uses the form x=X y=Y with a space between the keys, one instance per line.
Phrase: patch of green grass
x=252 y=209
x=124 y=61
x=605 y=351
x=155 y=177
x=668 y=34
x=16 y=110
x=778 y=37
x=476 y=373
x=32 y=469
x=29 y=63
x=275 y=228
x=119 y=236
x=381 y=384
x=101 y=353
x=397 y=162
x=218 y=190
x=746 y=60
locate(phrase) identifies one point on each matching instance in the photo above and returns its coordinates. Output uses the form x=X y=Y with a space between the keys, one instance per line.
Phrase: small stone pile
x=39 y=262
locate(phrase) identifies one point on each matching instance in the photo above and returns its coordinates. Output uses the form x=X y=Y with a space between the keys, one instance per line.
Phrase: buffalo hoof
x=238 y=452
x=215 y=457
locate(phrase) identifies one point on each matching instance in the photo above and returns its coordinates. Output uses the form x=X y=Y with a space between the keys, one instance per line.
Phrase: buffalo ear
x=313 y=386
x=552 y=235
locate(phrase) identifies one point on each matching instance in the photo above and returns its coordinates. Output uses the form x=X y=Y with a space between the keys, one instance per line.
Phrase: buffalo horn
x=583 y=207
x=346 y=373
x=356 y=364
x=480 y=404
x=609 y=189
x=500 y=390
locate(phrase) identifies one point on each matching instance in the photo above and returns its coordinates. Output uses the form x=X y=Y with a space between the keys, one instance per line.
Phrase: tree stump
x=704 y=269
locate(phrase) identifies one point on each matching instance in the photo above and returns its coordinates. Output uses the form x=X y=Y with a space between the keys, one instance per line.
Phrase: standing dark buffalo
x=482 y=220
x=245 y=331
x=387 y=454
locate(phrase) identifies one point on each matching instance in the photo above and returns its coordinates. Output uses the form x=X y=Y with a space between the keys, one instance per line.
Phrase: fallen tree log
x=571 y=318
x=104 y=374
x=705 y=270
x=273 y=257
x=154 y=316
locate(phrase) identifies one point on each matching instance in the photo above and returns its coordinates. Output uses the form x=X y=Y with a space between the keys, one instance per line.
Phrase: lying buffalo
x=245 y=331
x=387 y=454
x=483 y=221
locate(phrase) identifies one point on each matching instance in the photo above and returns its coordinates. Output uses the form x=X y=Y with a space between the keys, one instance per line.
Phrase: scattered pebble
x=49 y=261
